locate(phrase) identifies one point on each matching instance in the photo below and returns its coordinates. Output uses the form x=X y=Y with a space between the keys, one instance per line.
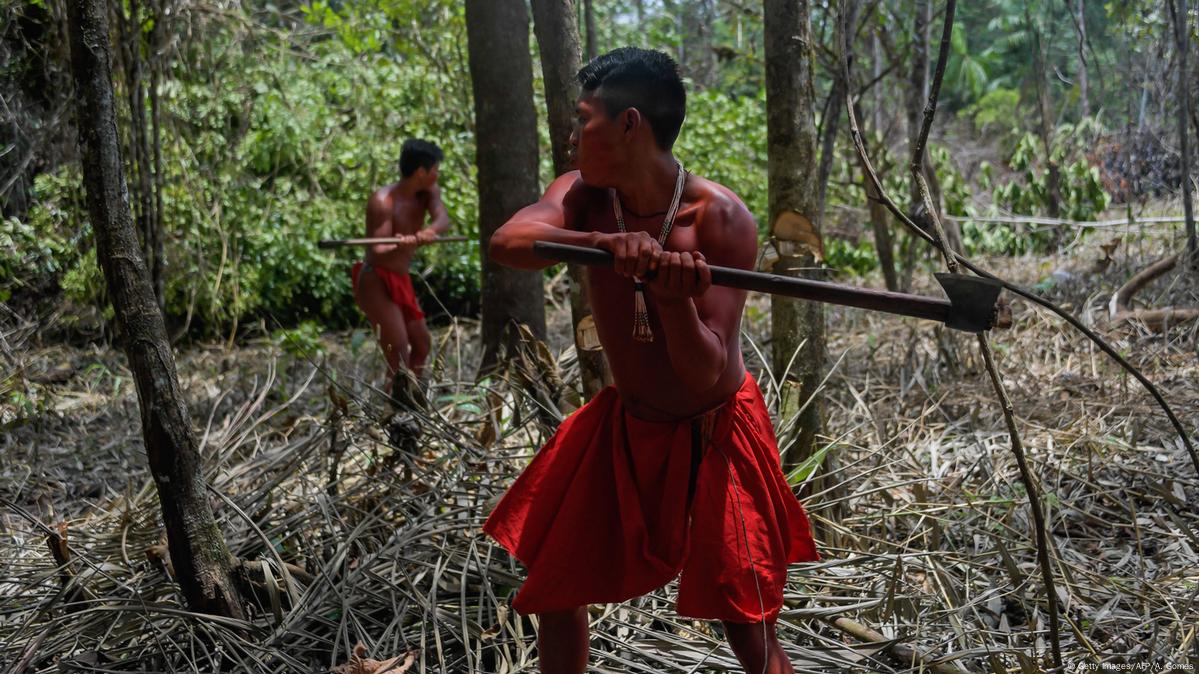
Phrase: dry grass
x=922 y=520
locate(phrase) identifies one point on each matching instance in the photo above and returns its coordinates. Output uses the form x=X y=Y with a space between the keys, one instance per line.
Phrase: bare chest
x=408 y=215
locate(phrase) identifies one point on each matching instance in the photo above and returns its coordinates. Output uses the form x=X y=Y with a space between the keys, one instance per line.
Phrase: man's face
x=427 y=177
x=597 y=142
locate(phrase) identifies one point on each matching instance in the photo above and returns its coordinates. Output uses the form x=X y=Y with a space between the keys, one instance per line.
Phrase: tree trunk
x=1182 y=37
x=139 y=142
x=917 y=92
x=791 y=139
x=832 y=119
x=917 y=95
x=501 y=73
x=201 y=561
x=589 y=28
x=1084 y=103
x=158 y=268
x=879 y=219
x=698 y=60
x=558 y=41
x=1053 y=179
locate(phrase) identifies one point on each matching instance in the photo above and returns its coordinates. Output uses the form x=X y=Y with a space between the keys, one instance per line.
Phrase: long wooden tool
x=338 y=243
x=971 y=307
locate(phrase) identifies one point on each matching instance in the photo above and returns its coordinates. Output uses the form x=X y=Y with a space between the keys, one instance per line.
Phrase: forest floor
x=345 y=538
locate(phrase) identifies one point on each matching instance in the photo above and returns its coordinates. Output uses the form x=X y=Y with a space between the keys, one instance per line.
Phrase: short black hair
x=645 y=79
x=418 y=153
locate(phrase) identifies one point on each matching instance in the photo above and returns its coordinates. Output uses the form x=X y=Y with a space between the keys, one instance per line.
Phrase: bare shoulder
x=723 y=224
x=577 y=198
x=379 y=200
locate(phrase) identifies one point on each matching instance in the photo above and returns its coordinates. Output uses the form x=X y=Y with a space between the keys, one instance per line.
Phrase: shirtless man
x=382 y=287
x=604 y=512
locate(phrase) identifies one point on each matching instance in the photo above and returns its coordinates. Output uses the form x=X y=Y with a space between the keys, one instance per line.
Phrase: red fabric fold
x=399 y=289
x=601 y=514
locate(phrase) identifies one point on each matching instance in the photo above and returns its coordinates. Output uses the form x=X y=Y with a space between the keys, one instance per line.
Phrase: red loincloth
x=601 y=513
x=399 y=289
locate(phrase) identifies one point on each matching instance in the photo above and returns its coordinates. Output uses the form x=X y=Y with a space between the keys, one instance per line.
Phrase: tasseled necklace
x=641 y=329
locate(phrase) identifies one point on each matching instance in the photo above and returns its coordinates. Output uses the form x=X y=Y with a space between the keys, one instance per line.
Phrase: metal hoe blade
x=974 y=301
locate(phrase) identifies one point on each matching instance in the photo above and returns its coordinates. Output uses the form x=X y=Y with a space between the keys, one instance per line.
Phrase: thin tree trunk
x=791 y=137
x=1182 y=37
x=880 y=224
x=157 y=269
x=501 y=72
x=1053 y=176
x=589 y=28
x=1084 y=103
x=698 y=59
x=558 y=42
x=832 y=122
x=917 y=92
x=139 y=142
x=202 y=563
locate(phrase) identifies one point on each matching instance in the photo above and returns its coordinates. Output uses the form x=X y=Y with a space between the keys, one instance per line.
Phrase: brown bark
x=589 y=28
x=880 y=225
x=202 y=562
x=917 y=89
x=501 y=74
x=1084 y=102
x=1053 y=179
x=917 y=95
x=791 y=137
x=1182 y=38
x=698 y=59
x=558 y=42
x=139 y=142
x=157 y=269
x=1158 y=320
x=831 y=122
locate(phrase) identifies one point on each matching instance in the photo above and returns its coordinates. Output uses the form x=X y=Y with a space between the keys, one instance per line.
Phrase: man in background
x=411 y=210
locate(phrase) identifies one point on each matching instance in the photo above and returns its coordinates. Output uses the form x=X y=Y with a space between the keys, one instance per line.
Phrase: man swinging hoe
x=395 y=219
x=674 y=470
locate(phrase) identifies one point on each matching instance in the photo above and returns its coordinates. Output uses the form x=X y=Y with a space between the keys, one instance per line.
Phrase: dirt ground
x=346 y=538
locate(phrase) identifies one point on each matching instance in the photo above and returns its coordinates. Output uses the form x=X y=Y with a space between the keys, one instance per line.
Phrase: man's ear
x=630 y=120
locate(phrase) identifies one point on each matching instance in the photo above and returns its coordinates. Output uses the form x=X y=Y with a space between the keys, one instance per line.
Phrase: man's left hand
x=681 y=275
x=426 y=235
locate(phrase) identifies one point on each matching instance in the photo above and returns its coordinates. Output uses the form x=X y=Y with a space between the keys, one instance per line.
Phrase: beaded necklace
x=641 y=329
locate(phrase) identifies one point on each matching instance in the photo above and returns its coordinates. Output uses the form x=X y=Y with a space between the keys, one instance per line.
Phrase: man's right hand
x=406 y=242
x=636 y=253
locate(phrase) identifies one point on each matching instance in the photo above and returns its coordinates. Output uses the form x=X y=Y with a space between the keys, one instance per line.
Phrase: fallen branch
x=1157 y=320
x=1062 y=222
x=907 y=655
x=885 y=199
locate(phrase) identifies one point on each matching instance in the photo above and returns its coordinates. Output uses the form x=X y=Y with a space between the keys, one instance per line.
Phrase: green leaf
x=805 y=470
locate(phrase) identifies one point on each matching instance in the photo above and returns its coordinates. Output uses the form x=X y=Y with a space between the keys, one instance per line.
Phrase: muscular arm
x=379 y=225
x=439 y=217
x=547 y=220
x=700 y=329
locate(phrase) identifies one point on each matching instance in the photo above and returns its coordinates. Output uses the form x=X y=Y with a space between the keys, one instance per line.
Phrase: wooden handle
x=338 y=243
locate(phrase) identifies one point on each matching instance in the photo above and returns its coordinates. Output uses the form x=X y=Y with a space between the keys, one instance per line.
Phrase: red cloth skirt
x=615 y=506
x=399 y=289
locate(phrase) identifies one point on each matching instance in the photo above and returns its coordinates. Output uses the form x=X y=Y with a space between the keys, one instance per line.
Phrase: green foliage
x=1082 y=193
x=724 y=139
x=997 y=110
x=302 y=341
x=50 y=242
x=273 y=144
x=857 y=258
